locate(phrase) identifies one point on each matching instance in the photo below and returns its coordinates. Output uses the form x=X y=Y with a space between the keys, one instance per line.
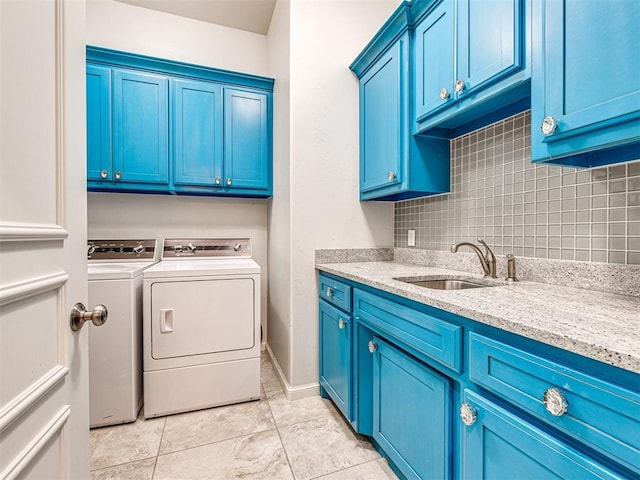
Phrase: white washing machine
x=115 y=349
x=201 y=326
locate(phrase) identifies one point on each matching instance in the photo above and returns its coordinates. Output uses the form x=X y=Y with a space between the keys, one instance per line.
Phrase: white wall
x=125 y=27
x=322 y=168
x=129 y=28
x=279 y=308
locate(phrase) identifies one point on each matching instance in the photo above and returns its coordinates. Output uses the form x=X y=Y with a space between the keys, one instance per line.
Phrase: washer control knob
x=177 y=248
x=91 y=250
x=191 y=247
x=138 y=249
x=237 y=247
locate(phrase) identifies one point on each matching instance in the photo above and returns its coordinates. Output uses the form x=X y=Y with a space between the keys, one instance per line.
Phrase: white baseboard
x=292 y=393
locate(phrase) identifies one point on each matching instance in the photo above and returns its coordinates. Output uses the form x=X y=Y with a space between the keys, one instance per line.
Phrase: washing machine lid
x=185 y=267
x=120 y=259
x=116 y=271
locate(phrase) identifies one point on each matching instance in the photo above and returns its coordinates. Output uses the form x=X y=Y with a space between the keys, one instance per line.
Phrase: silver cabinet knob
x=217 y=181
x=373 y=346
x=118 y=175
x=555 y=402
x=329 y=292
x=460 y=85
x=468 y=414
x=342 y=323
x=549 y=125
x=191 y=247
x=444 y=94
x=138 y=249
x=228 y=181
x=104 y=173
x=391 y=176
x=79 y=316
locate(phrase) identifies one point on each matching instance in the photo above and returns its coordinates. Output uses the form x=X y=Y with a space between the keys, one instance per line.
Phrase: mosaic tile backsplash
x=529 y=210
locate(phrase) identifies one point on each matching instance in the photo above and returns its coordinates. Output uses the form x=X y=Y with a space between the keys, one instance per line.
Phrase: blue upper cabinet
x=99 y=165
x=471 y=63
x=585 y=107
x=394 y=165
x=247 y=142
x=197 y=133
x=160 y=126
x=434 y=60
x=140 y=118
x=383 y=91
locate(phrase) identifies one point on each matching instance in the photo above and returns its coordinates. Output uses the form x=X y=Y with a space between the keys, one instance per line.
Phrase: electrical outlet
x=411 y=238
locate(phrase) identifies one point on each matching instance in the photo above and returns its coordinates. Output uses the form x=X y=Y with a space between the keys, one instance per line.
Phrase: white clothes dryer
x=115 y=349
x=201 y=326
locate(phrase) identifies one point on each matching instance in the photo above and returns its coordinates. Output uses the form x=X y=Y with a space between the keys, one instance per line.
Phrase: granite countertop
x=601 y=326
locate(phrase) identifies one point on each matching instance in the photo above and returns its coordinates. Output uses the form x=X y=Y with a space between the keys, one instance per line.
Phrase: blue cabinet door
x=140 y=137
x=197 y=131
x=434 y=60
x=383 y=120
x=247 y=143
x=501 y=445
x=585 y=78
x=411 y=414
x=489 y=41
x=335 y=356
x=99 y=162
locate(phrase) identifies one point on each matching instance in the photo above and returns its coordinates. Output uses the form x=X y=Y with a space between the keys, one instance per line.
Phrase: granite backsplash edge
x=602 y=277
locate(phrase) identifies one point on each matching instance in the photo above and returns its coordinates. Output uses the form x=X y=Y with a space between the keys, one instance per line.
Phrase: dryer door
x=200 y=317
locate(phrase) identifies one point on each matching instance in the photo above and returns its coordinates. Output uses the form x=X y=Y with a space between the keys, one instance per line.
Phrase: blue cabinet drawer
x=601 y=414
x=335 y=292
x=496 y=444
x=437 y=339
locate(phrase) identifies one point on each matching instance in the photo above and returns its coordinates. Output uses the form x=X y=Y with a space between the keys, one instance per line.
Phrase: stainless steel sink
x=444 y=283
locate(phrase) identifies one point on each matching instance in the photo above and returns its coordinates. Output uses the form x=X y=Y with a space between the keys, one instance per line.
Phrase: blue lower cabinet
x=335 y=356
x=411 y=413
x=498 y=444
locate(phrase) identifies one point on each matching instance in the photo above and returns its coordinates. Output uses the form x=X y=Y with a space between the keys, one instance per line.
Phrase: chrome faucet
x=487 y=259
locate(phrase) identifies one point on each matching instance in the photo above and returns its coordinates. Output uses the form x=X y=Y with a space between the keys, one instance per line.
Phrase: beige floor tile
x=374 y=470
x=287 y=412
x=215 y=424
x=258 y=457
x=323 y=446
x=268 y=376
x=142 y=470
x=125 y=443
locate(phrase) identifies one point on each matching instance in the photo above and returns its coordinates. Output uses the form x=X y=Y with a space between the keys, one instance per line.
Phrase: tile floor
x=269 y=439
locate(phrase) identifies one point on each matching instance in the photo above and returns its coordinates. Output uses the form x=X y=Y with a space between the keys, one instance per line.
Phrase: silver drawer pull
x=329 y=292
x=468 y=414
x=341 y=323
x=555 y=402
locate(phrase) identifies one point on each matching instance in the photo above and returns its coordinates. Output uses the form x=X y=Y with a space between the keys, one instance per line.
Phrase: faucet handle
x=487 y=251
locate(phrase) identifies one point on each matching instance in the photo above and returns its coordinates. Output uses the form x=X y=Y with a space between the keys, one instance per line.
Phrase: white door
x=44 y=415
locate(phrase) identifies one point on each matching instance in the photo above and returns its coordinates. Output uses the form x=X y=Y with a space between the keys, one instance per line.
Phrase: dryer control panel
x=207 y=248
